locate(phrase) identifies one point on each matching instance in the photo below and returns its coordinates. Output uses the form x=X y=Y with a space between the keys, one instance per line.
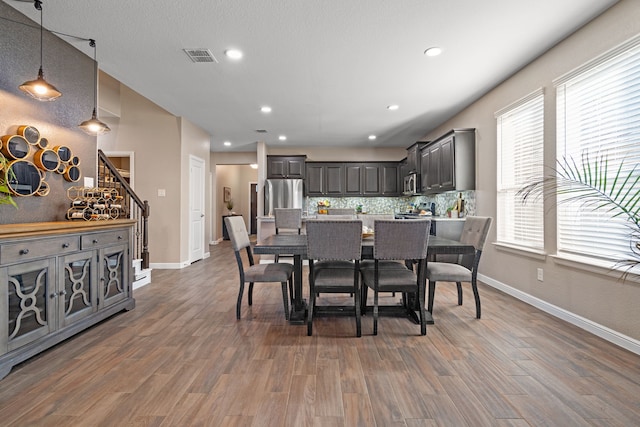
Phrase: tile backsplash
x=386 y=205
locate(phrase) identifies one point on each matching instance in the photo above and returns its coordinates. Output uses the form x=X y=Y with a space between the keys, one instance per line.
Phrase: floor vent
x=200 y=55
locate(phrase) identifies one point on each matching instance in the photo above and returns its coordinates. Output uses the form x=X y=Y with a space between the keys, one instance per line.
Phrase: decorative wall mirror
x=63 y=152
x=72 y=174
x=47 y=160
x=15 y=147
x=24 y=178
x=31 y=134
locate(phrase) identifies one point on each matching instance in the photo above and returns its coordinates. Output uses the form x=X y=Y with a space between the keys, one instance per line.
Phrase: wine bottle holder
x=94 y=204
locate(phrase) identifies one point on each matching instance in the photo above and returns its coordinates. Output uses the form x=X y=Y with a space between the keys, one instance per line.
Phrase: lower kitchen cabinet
x=56 y=282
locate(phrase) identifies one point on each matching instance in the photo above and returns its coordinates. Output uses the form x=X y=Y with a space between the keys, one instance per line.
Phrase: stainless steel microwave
x=411 y=184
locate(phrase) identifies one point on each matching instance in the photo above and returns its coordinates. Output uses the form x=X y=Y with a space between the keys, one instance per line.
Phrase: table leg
x=299 y=307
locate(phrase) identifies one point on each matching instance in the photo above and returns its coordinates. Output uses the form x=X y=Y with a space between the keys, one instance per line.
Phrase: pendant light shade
x=39 y=88
x=93 y=126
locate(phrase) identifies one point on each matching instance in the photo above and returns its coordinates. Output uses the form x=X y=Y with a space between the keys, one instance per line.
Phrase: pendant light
x=39 y=88
x=93 y=126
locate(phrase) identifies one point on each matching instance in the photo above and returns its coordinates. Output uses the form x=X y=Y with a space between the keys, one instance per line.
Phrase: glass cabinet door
x=114 y=275
x=31 y=298
x=77 y=296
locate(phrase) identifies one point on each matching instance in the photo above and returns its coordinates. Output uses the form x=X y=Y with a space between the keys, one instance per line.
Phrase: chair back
x=288 y=219
x=237 y=232
x=341 y=211
x=474 y=232
x=334 y=240
x=399 y=239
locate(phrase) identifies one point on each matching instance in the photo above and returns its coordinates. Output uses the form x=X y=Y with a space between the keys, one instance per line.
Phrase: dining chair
x=287 y=220
x=271 y=272
x=334 y=250
x=395 y=242
x=474 y=232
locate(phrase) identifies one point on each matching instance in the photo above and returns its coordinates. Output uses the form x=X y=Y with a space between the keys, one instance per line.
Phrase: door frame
x=202 y=203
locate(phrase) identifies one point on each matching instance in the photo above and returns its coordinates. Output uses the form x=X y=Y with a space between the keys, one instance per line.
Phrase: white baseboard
x=597 y=329
x=170 y=265
x=142 y=282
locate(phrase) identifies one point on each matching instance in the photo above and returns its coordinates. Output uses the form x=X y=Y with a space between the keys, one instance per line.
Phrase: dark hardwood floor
x=182 y=359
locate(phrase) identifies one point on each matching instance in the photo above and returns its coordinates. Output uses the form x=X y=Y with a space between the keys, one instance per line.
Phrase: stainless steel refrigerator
x=282 y=193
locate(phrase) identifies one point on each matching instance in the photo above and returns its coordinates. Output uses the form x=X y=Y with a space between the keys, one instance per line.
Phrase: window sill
x=536 y=254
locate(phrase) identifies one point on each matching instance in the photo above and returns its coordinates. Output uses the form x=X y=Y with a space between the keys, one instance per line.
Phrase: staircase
x=136 y=208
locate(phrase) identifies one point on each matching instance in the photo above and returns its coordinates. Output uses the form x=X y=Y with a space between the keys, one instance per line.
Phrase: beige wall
x=238 y=179
x=594 y=296
x=162 y=144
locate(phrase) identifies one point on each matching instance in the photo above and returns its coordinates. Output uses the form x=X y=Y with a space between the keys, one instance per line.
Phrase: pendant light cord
x=38 y=5
x=92 y=43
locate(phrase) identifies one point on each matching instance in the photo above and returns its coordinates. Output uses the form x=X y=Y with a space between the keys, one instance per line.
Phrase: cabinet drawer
x=104 y=239
x=32 y=249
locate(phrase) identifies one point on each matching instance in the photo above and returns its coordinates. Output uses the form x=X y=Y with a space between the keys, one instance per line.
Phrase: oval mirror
x=23 y=178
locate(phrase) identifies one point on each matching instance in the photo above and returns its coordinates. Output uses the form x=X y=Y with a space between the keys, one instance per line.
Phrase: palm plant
x=5 y=194
x=596 y=185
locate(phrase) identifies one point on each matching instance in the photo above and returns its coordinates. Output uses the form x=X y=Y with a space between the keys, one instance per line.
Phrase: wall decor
x=24 y=177
x=15 y=147
x=227 y=194
x=46 y=160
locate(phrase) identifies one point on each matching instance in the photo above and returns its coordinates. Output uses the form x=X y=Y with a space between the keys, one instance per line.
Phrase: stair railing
x=135 y=208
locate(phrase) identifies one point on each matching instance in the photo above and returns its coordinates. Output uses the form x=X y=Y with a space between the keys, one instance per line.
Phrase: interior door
x=196 y=208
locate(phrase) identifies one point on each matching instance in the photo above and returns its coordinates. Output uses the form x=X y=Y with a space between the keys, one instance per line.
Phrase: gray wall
x=71 y=71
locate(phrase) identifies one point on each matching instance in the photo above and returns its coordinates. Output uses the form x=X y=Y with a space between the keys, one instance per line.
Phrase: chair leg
x=459 y=286
x=276 y=258
x=250 y=293
x=423 y=315
x=312 y=303
x=291 y=290
x=357 y=308
x=375 y=312
x=363 y=300
x=432 y=292
x=476 y=295
x=285 y=299
x=239 y=303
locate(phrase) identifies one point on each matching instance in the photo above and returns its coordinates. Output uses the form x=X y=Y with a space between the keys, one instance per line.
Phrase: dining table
x=296 y=245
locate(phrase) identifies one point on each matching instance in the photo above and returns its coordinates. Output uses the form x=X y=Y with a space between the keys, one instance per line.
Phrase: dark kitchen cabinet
x=448 y=163
x=286 y=167
x=325 y=179
x=372 y=179
x=413 y=157
x=391 y=179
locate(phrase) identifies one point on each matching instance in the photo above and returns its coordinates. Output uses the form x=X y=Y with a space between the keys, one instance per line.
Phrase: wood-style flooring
x=181 y=358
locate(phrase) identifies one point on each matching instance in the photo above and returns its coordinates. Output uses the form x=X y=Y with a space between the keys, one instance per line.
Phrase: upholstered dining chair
x=287 y=220
x=334 y=250
x=272 y=272
x=396 y=241
x=474 y=232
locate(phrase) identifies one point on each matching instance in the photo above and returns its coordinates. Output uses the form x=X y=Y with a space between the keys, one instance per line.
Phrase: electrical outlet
x=540 y=274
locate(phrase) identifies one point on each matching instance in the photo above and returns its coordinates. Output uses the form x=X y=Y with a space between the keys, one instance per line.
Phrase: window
x=598 y=114
x=520 y=162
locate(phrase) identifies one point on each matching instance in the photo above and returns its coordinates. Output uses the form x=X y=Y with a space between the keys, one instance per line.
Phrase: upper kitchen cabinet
x=413 y=157
x=286 y=167
x=372 y=179
x=448 y=163
x=325 y=179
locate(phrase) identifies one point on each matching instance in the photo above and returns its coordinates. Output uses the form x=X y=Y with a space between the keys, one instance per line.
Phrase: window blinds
x=598 y=113
x=520 y=129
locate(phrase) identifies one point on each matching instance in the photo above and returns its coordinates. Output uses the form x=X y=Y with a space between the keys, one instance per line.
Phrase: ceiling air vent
x=261 y=130
x=200 y=55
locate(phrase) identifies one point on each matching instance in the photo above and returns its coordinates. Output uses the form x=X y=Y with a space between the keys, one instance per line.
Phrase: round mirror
x=31 y=134
x=43 y=142
x=43 y=190
x=72 y=173
x=63 y=152
x=23 y=178
x=47 y=160
x=15 y=146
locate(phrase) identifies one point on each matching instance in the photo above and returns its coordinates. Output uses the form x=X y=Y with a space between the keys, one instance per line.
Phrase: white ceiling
x=328 y=68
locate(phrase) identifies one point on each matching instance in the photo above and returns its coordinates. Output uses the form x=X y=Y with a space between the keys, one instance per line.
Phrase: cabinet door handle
x=63 y=292
x=119 y=237
x=24 y=251
x=95 y=241
x=65 y=245
x=53 y=295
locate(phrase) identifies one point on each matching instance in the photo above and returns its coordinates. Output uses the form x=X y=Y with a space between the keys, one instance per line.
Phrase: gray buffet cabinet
x=57 y=279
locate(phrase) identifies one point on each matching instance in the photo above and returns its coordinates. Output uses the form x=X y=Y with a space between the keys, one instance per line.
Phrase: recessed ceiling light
x=265 y=109
x=393 y=107
x=233 y=53
x=227 y=143
x=372 y=137
x=433 y=51
x=282 y=137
